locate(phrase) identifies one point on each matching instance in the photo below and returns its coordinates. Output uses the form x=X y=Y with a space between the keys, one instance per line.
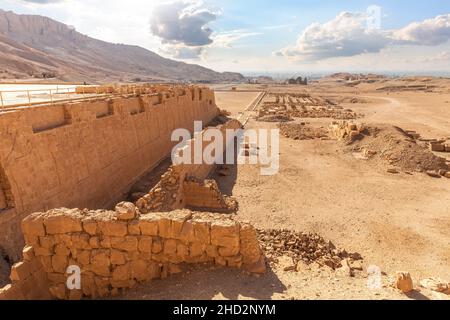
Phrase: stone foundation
x=116 y=250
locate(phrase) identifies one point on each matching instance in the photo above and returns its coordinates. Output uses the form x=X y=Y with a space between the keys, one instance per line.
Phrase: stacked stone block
x=345 y=131
x=116 y=250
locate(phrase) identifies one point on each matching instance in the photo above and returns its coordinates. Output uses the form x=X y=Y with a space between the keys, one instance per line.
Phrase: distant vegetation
x=299 y=80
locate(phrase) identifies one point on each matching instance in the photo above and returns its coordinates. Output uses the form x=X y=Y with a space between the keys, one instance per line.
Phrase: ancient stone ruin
x=87 y=155
x=282 y=107
x=118 y=249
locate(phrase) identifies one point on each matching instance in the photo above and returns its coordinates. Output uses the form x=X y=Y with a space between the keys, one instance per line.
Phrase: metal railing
x=23 y=98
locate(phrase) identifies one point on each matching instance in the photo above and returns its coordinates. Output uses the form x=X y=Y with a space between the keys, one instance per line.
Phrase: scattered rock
x=356 y=265
x=302 y=132
x=275 y=118
x=391 y=147
x=436 y=284
x=126 y=211
x=404 y=282
x=301 y=248
x=442 y=172
x=392 y=170
x=433 y=174
x=437 y=146
x=286 y=263
x=345 y=270
x=355 y=256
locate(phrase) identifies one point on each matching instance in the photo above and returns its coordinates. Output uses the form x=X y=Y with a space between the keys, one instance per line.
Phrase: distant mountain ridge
x=37 y=46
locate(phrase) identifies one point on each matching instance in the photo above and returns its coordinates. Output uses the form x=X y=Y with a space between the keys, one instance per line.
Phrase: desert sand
x=398 y=222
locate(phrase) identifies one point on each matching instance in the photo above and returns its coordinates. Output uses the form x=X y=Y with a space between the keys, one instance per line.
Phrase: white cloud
x=348 y=35
x=43 y=1
x=430 y=32
x=183 y=28
x=182 y=23
x=182 y=52
x=443 y=56
x=226 y=39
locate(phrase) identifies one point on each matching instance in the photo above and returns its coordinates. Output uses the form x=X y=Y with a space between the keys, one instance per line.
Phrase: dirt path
x=428 y=114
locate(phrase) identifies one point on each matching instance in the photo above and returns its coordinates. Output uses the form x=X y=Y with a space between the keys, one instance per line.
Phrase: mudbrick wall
x=87 y=154
x=116 y=250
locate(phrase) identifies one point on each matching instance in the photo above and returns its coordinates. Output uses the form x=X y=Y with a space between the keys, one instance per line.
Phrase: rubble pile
x=275 y=118
x=346 y=131
x=325 y=112
x=303 y=247
x=300 y=131
x=164 y=194
x=393 y=148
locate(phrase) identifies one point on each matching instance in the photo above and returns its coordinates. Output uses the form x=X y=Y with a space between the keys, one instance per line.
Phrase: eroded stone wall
x=87 y=154
x=184 y=185
x=118 y=249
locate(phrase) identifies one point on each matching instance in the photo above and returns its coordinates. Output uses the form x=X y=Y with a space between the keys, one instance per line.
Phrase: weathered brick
x=145 y=244
x=148 y=225
x=129 y=243
x=113 y=228
x=225 y=233
x=62 y=224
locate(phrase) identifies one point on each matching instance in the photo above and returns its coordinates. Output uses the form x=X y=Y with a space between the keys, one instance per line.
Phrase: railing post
x=29 y=97
x=51 y=96
x=1 y=98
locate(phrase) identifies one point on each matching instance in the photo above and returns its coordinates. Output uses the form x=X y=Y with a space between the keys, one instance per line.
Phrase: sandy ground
x=396 y=222
x=235 y=102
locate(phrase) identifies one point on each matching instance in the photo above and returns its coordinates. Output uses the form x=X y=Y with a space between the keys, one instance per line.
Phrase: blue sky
x=272 y=36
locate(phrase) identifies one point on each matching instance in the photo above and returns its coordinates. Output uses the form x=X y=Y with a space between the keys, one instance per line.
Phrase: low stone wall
x=116 y=250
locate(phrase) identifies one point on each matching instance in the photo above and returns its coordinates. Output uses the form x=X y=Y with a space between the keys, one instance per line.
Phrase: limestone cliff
x=31 y=45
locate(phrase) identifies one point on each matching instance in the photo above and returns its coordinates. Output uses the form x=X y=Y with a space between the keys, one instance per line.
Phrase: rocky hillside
x=37 y=46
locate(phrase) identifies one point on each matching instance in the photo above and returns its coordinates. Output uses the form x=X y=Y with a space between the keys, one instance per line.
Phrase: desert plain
x=395 y=216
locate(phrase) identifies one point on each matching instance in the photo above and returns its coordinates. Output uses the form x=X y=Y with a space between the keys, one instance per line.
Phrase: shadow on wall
x=5 y=269
x=201 y=284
